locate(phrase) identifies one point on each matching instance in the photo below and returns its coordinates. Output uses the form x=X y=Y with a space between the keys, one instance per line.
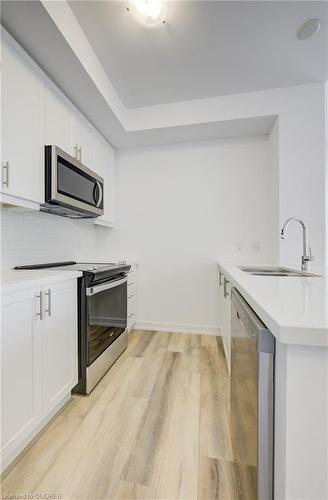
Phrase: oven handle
x=105 y=286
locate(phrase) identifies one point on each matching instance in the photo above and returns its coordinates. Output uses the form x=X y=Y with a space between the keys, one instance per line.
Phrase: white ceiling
x=205 y=49
x=51 y=34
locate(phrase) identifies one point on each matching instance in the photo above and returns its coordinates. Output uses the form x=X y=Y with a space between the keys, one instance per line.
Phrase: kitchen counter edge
x=14 y=280
x=307 y=335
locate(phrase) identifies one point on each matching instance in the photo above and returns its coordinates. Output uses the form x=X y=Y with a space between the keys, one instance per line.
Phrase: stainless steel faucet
x=307 y=255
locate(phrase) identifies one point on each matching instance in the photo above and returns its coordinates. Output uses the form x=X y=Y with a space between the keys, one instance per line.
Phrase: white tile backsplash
x=36 y=237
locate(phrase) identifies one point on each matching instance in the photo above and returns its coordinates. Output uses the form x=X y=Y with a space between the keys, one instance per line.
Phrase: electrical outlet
x=256 y=247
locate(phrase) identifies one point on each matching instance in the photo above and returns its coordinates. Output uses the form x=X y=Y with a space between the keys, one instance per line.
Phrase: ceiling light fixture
x=148 y=12
x=308 y=29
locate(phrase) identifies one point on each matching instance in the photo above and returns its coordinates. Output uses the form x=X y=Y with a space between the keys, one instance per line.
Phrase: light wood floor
x=155 y=427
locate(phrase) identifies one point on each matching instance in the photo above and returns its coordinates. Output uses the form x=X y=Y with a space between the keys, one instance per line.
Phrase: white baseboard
x=177 y=328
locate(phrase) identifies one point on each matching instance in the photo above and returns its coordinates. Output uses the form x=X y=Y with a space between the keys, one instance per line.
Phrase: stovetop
x=86 y=267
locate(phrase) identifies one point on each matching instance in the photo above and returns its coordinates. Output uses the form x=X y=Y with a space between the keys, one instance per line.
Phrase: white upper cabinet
x=83 y=139
x=22 y=128
x=59 y=343
x=104 y=165
x=58 y=118
x=66 y=127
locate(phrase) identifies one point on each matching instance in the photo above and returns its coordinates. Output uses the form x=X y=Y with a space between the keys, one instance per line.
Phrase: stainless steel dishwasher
x=252 y=399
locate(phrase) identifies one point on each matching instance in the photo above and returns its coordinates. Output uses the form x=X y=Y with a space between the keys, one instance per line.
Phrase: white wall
x=301 y=114
x=34 y=237
x=326 y=170
x=273 y=155
x=180 y=209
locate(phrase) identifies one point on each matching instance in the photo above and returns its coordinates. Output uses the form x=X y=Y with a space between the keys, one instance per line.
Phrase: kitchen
x=192 y=183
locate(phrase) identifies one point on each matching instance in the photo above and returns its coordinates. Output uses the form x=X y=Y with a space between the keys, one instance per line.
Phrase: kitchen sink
x=277 y=271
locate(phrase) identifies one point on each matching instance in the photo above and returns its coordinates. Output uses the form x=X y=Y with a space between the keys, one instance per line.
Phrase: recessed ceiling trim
x=66 y=22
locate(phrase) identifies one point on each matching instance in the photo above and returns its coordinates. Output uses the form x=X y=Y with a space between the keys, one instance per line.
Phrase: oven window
x=74 y=183
x=107 y=317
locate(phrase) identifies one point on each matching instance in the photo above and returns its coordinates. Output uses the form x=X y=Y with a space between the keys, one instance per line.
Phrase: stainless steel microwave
x=71 y=189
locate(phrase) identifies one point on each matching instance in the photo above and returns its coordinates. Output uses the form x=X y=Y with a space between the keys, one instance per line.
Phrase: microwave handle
x=100 y=195
x=105 y=286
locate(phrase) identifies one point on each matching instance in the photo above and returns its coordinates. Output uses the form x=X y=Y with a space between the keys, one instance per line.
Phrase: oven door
x=106 y=315
x=72 y=184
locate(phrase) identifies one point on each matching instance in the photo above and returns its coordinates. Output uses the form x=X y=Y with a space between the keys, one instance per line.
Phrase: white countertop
x=13 y=281
x=294 y=309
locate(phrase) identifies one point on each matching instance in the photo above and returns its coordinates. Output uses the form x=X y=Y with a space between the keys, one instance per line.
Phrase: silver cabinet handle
x=225 y=288
x=80 y=153
x=130 y=315
x=76 y=149
x=48 y=294
x=40 y=314
x=5 y=178
x=220 y=278
x=130 y=297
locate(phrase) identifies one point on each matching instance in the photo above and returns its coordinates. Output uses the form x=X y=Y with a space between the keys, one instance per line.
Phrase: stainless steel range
x=102 y=317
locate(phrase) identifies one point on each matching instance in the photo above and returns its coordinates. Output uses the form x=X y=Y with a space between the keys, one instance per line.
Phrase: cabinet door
x=22 y=123
x=83 y=137
x=132 y=297
x=104 y=165
x=58 y=118
x=20 y=370
x=59 y=343
x=227 y=322
x=221 y=301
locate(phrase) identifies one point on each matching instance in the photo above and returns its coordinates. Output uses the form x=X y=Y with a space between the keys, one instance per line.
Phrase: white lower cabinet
x=132 y=296
x=21 y=376
x=225 y=314
x=38 y=361
x=59 y=343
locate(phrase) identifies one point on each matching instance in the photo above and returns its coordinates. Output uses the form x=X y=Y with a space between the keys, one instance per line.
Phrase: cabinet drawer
x=132 y=277
x=131 y=305
x=131 y=318
x=131 y=290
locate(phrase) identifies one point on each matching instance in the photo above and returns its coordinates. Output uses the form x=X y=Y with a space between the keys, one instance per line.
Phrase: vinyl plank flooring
x=222 y=480
x=155 y=427
x=132 y=491
x=34 y=464
x=145 y=344
x=144 y=464
x=62 y=471
x=100 y=470
x=215 y=435
x=191 y=353
x=208 y=340
x=176 y=343
x=179 y=468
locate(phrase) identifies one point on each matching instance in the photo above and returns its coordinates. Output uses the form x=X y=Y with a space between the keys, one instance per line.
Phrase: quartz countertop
x=295 y=309
x=15 y=280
